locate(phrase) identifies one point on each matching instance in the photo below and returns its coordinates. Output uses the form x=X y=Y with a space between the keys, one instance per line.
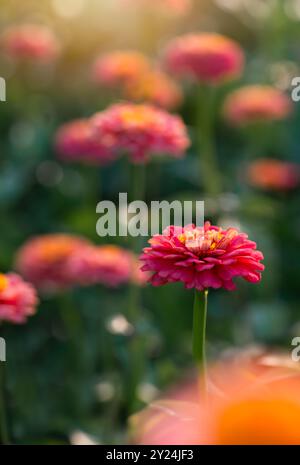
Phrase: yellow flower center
x=136 y=116
x=3 y=282
x=199 y=241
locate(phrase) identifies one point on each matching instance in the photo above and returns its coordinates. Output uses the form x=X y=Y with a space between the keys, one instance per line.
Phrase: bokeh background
x=71 y=388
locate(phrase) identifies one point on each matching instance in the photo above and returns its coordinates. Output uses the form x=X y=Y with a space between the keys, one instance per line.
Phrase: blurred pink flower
x=202 y=258
x=175 y=6
x=109 y=265
x=210 y=58
x=138 y=277
x=253 y=104
x=272 y=174
x=75 y=142
x=18 y=299
x=30 y=41
x=141 y=131
x=118 y=68
x=248 y=403
x=155 y=87
x=172 y=7
x=43 y=260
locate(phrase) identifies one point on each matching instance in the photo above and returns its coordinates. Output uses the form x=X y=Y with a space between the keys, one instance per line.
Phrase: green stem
x=133 y=302
x=199 y=331
x=209 y=171
x=138 y=182
x=3 y=419
x=72 y=326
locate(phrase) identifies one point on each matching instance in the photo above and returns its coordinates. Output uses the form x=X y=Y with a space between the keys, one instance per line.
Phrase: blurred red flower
x=202 y=257
x=141 y=131
x=210 y=58
x=272 y=174
x=109 y=265
x=18 y=299
x=43 y=260
x=30 y=41
x=75 y=142
x=252 y=104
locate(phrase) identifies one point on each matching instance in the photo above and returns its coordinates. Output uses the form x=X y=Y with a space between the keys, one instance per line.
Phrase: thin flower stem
x=209 y=171
x=3 y=419
x=138 y=184
x=199 y=332
x=135 y=348
x=73 y=330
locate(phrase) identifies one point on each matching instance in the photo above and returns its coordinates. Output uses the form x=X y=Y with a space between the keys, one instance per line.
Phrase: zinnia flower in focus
x=210 y=58
x=119 y=68
x=254 y=104
x=202 y=257
x=75 y=142
x=30 y=41
x=109 y=265
x=272 y=174
x=18 y=299
x=155 y=87
x=248 y=404
x=141 y=131
x=43 y=260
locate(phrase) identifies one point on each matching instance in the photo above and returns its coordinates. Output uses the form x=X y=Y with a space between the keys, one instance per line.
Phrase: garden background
x=69 y=369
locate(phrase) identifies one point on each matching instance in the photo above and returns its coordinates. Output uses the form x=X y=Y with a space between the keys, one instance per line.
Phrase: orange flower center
x=110 y=254
x=54 y=251
x=198 y=241
x=136 y=116
x=3 y=282
x=126 y=65
x=259 y=421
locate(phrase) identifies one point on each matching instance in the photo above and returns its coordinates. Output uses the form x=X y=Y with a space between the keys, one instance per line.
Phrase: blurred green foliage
x=60 y=381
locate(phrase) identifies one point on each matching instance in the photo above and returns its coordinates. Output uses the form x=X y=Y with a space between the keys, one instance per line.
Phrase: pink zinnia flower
x=18 y=299
x=75 y=142
x=155 y=87
x=210 y=58
x=141 y=131
x=109 y=265
x=253 y=104
x=30 y=41
x=43 y=260
x=202 y=257
x=118 y=68
x=273 y=174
